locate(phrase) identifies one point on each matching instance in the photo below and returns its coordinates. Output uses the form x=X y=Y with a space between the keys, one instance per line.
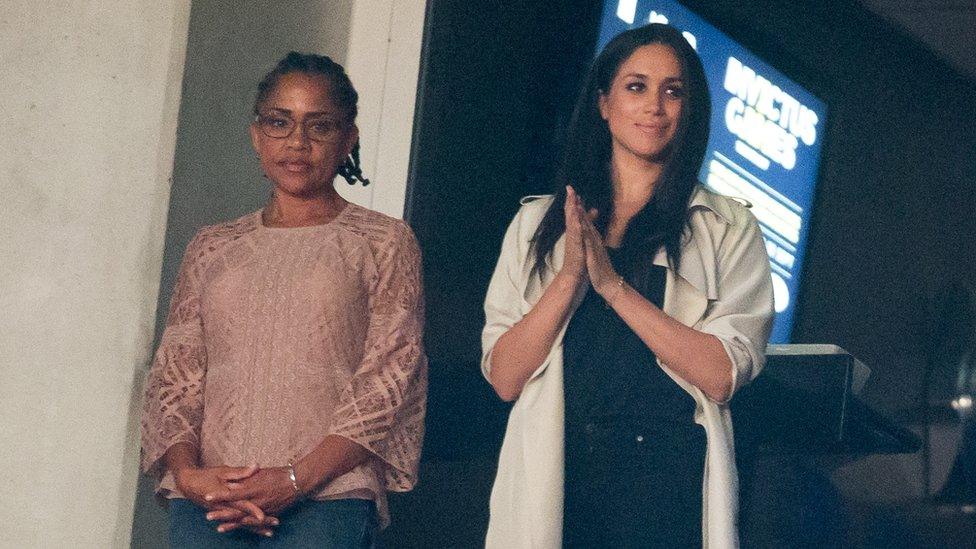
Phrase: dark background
x=893 y=220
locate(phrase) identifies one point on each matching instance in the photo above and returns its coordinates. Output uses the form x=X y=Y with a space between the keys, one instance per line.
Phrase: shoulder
x=212 y=239
x=536 y=204
x=530 y=213
x=379 y=231
x=720 y=211
x=231 y=229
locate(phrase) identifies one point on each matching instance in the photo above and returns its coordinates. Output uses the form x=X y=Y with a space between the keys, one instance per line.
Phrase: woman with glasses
x=288 y=391
x=623 y=313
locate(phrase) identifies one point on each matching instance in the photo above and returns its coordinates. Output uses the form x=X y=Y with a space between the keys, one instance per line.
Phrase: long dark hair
x=587 y=150
x=341 y=91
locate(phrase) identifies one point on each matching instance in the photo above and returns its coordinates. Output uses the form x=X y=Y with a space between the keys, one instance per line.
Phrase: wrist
x=607 y=283
x=178 y=469
x=610 y=288
x=181 y=458
x=569 y=279
x=307 y=477
x=179 y=473
x=294 y=479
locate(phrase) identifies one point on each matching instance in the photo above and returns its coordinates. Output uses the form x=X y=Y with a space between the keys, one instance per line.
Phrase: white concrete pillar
x=89 y=96
x=383 y=62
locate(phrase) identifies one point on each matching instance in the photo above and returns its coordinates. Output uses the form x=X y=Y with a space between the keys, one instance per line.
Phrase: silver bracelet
x=608 y=301
x=293 y=478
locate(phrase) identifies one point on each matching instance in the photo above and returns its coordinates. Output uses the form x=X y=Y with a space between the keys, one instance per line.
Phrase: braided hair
x=342 y=92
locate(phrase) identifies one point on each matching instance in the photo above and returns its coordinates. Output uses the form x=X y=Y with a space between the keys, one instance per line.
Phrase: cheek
x=266 y=149
x=266 y=157
x=616 y=109
x=674 y=110
x=619 y=112
x=328 y=158
x=329 y=154
x=617 y=123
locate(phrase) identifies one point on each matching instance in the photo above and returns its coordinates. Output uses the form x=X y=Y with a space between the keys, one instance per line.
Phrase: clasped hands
x=586 y=253
x=239 y=497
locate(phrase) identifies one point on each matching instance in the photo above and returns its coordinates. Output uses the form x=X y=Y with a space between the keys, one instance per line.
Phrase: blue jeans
x=331 y=524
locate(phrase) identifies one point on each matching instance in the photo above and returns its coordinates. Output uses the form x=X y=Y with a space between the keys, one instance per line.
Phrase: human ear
x=601 y=103
x=351 y=139
x=255 y=138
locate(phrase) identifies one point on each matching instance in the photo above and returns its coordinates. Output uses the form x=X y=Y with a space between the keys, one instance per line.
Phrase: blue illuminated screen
x=764 y=147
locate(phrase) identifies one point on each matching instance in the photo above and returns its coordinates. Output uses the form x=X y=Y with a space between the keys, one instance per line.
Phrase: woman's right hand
x=574 y=260
x=195 y=482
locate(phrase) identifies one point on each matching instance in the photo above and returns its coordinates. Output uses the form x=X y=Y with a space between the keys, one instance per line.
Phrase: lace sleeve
x=383 y=406
x=173 y=405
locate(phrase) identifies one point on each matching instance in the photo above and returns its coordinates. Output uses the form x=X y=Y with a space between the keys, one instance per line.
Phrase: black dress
x=634 y=456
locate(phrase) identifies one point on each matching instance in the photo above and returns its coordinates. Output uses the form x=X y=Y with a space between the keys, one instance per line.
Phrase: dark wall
x=498 y=79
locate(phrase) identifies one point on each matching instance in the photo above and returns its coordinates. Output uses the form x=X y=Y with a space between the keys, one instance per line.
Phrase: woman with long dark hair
x=622 y=315
x=288 y=392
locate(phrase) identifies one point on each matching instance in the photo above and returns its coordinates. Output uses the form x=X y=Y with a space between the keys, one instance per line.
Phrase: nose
x=297 y=138
x=654 y=101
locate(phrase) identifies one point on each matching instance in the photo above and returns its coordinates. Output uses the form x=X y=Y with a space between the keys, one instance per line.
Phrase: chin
x=655 y=150
x=657 y=153
x=301 y=187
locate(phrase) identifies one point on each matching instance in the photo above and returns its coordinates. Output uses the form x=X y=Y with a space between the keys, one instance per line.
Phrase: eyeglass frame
x=331 y=136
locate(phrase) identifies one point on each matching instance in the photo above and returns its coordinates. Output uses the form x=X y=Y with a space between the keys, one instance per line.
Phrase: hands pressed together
x=239 y=497
x=586 y=253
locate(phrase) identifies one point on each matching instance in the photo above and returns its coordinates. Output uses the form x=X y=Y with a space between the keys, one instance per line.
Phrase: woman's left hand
x=270 y=489
x=602 y=275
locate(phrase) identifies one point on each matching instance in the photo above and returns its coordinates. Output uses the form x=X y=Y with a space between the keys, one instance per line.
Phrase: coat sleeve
x=382 y=407
x=173 y=405
x=741 y=318
x=503 y=302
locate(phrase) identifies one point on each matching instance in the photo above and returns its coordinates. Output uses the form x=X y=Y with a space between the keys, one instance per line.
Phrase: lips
x=295 y=166
x=652 y=128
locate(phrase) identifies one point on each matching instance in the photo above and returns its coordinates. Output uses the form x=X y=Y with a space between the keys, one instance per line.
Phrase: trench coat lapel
x=686 y=292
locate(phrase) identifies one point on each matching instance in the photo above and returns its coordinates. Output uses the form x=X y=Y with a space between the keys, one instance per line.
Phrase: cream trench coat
x=723 y=288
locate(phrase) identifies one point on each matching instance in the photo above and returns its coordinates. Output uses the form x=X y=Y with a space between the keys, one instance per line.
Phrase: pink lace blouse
x=278 y=337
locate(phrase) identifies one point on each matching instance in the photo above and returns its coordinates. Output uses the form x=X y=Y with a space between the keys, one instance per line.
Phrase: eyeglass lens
x=317 y=129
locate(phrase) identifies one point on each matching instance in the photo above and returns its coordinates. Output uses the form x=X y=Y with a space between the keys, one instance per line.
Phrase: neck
x=286 y=210
x=634 y=180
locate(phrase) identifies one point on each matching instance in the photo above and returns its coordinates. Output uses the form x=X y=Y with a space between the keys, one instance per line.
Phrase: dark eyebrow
x=640 y=76
x=314 y=114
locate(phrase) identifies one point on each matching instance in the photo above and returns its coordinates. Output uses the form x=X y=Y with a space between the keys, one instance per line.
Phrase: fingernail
x=220 y=529
x=267 y=534
x=208 y=497
x=275 y=522
x=209 y=516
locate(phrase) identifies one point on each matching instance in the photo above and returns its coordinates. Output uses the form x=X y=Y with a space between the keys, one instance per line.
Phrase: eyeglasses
x=278 y=126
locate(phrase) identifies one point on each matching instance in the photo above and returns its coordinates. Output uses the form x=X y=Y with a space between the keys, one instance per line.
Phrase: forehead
x=300 y=92
x=654 y=60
